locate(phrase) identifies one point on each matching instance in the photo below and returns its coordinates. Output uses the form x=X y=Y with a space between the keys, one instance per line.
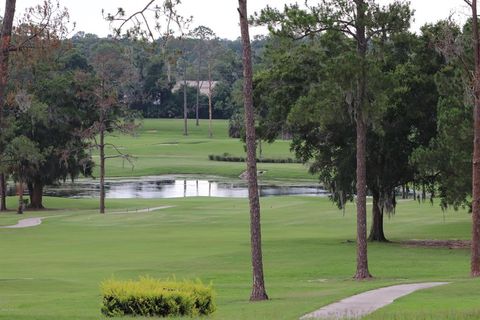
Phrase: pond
x=175 y=187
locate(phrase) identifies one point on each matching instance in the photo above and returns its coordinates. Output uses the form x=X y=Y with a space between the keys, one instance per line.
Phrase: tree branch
x=148 y=26
x=33 y=36
x=125 y=20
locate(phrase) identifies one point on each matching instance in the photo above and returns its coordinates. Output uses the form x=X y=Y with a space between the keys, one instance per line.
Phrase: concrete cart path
x=25 y=223
x=140 y=210
x=32 y=222
x=362 y=304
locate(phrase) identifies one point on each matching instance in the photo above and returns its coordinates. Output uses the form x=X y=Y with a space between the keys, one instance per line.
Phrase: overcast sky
x=221 y=15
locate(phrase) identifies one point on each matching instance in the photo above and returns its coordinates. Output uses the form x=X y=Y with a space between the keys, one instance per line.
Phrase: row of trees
x=64 y=95
x=58 y=106
x=331 y=112
x=314 y=100
x=200 y=58
x=374 y=108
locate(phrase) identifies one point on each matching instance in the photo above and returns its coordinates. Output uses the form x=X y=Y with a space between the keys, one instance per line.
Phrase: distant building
x=193 y=84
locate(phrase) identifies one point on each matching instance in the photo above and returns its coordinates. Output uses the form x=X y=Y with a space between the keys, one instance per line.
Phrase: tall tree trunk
x=3 y=193
x=30 y=190
x=210 y=109
x=102 y=170
x=260 y=149
x=475 y=258
x=20 y=197
x=362 y=258
x=376 y=230
x=6 y=36
x=198 y=94
x=258 y=286
x=36 y=195
x=185 y=110
x=169 y=72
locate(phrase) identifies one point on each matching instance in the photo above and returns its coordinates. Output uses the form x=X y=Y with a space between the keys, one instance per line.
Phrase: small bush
x=150 y=297
x=229 y=158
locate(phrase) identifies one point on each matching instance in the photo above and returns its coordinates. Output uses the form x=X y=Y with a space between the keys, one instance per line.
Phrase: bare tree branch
x=33 y=36
x=125 y=20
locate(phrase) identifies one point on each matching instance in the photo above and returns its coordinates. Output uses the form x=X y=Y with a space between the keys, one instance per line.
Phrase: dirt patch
x=450 y=244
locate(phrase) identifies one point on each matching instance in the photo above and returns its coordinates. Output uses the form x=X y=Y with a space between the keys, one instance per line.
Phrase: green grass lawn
x=53 y=271
x=160 y=148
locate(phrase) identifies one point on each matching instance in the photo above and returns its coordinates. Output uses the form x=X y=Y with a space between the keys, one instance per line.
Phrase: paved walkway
x=141 y=210
x=362 y=304
x=25 y=223
x=32 y=222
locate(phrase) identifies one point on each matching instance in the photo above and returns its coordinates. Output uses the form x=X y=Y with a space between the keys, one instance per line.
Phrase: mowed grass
x=159 y=147
x=53 y=271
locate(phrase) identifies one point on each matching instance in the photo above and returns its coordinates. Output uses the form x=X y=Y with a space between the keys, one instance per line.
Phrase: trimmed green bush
x=229 y=158
x=150 y=297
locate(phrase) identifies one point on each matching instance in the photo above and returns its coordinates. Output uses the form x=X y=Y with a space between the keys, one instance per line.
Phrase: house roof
x=193 y=84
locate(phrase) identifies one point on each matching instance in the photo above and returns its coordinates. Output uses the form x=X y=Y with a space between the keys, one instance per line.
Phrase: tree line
x=200 y=58
x=64 y=94
x=373 y=108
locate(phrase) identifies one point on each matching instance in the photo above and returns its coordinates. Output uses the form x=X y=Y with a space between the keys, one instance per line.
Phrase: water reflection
x=175 y=188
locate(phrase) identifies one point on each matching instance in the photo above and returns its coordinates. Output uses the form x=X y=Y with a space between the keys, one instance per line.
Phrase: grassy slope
x=160 y=148
x=53 y=271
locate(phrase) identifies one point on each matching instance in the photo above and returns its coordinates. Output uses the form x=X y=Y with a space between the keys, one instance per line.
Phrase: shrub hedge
x=150 y=297
x=229 y=158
